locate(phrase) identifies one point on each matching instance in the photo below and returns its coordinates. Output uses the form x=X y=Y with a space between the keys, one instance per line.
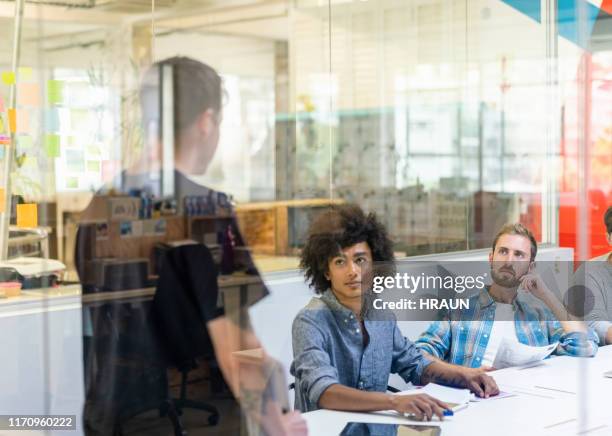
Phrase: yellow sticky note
x=27 y=215
x=12 y=119
x=28 y=94
x=8 y=77
x=2 y=200
x=25 y=74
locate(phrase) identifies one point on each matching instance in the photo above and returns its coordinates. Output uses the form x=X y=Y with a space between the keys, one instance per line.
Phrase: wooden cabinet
x=278 y=227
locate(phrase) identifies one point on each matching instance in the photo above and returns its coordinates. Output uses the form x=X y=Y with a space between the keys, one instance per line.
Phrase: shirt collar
x=332 y=302
x=485 y=300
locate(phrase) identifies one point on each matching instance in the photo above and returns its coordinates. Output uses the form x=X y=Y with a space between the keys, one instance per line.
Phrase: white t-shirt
x=503 y=327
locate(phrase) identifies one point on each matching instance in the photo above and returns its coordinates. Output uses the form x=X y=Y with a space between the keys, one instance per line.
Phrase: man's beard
x=507 y=281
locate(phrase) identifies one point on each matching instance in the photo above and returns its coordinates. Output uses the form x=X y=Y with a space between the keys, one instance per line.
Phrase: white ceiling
x=265 y=19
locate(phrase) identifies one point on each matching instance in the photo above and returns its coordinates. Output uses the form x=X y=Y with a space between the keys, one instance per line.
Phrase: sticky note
x=75 y=161
x=28 y=94
x=52 y=145
x=52 y=123
x=109 y=169
x=82 y=118
x=8 y=77
x=72 y=183
x=23 y=121
x=25 y=74
x=27 y=215
x=93 y=150
x=19 y=120
x=55 y=91
x=24 y=141
x=12 y=119
x=93 y=166
x=2 y=200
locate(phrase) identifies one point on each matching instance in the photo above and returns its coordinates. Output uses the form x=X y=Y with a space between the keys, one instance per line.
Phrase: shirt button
x=346 y=320
x=478 y=358
x=486 y=335
x=351 y=316
x=357 y=331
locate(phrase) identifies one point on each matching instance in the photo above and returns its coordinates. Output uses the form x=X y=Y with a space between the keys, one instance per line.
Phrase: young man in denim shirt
x=342 y=359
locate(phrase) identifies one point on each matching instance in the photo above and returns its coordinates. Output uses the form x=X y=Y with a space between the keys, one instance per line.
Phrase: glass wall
x=436 y=115
x=447 y=118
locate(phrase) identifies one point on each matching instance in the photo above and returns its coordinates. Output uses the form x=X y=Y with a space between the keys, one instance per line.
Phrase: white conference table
x=561 y=396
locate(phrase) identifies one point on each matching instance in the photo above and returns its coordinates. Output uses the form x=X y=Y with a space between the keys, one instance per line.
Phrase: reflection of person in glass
x=342 y=356
x=120 y=348
x=500 y=311
x=596 y=276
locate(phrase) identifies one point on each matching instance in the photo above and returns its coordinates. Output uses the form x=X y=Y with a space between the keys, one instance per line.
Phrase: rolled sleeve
x=407 y=361
x=436 y=340
x=577 y=344
x=311 y=365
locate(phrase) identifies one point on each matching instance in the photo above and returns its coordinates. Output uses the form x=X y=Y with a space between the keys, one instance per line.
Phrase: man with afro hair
x=342 y=357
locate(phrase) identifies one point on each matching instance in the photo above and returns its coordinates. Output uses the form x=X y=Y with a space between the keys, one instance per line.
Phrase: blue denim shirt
x=328 y=349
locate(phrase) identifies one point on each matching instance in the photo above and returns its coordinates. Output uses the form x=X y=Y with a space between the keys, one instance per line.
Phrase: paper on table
x=513 y=353
x=447 y=394
x=442 y=393
x=502 y=394
x=457 y=398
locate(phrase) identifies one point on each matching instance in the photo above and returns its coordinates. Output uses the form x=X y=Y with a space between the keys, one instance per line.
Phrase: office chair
x=185 y=297
x=125 y=372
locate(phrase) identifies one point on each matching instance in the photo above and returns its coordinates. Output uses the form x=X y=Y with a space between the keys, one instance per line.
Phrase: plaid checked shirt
x=461 y=336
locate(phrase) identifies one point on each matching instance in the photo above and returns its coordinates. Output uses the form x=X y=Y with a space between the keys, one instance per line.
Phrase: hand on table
x=422 y=406
x=481 y=384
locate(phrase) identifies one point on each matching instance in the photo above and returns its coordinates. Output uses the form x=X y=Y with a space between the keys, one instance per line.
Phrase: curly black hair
x=335 y=229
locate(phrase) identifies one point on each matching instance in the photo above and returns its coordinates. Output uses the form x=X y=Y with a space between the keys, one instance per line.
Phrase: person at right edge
x=596 y=277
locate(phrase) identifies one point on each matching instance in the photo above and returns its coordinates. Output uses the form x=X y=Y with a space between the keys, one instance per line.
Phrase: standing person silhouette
x=196 y=103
